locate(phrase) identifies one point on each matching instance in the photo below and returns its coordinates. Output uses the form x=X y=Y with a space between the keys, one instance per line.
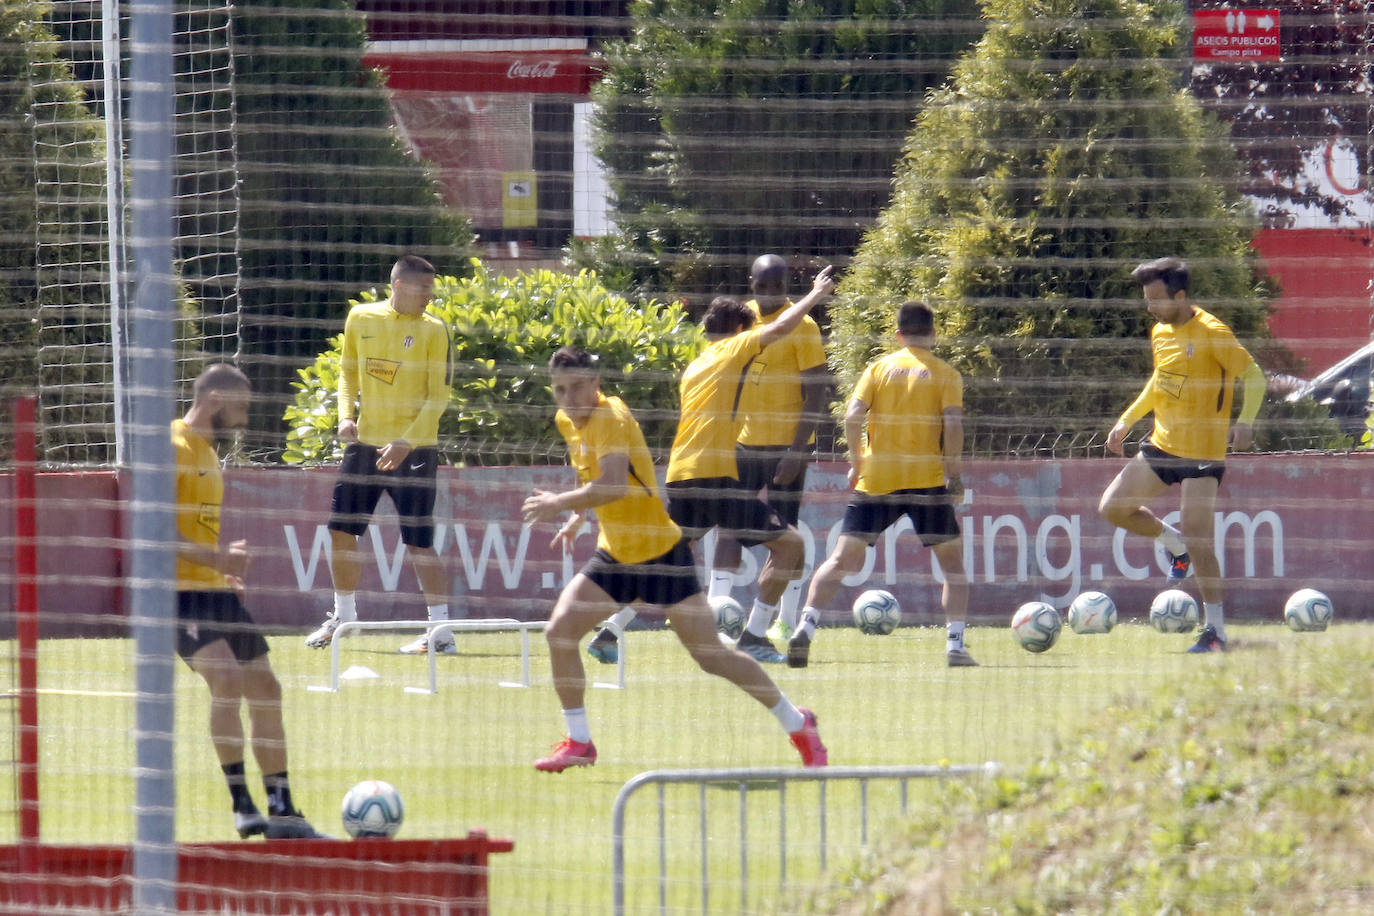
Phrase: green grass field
x=461 y=759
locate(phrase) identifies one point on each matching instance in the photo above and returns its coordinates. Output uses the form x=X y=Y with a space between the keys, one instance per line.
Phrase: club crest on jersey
x=1190 y=351
x=405 y=344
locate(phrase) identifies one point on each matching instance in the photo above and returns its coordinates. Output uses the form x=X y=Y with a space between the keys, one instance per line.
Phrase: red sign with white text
x=541 y=72
x=1237 y=36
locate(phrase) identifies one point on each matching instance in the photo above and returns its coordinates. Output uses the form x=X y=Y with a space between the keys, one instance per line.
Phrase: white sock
x=788 y=716
x=722 y=580
x=791 y=603
x=576 y=720
x=760 y=617
x=346 y=606
x=809 y=617
x=1171 y=539
x=954 y=637
x=437 y=611
x=1212 y=616
x=623 y=617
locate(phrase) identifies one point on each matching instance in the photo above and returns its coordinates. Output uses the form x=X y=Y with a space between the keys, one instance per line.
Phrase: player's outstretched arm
x=791 y=316
x=610 y=485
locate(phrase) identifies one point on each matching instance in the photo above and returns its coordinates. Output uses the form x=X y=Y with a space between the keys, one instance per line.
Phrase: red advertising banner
x=1031 y=532
x=535 y=72
x=1236 y=35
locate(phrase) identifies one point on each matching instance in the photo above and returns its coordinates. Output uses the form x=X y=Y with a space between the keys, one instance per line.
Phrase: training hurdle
x=746 y=780
x=479 y=625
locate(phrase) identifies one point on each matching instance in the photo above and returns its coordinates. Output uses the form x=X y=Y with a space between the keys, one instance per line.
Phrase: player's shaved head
x=219 y=377
x=768 y=276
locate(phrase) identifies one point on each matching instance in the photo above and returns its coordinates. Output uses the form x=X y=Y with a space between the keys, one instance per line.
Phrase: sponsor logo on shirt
x=383 y=370
x=208 y=517
x=1171 y=383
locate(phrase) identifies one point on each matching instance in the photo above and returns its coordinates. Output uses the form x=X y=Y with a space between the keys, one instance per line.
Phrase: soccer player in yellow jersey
x=1197 y=362
x=704 y=486
x=393 y=387
x=215 y=634
x=641 y=556
x=781 y=403
x=905 y=431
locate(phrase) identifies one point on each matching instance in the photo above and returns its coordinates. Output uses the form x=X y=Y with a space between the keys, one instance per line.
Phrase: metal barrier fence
x=746 y=779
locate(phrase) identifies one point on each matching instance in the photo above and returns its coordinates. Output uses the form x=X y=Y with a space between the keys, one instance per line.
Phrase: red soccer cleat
x=807 y=741
x=569 y=753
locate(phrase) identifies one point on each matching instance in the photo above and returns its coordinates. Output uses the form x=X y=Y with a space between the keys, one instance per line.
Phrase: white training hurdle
x=468 y=625
x=478 y=625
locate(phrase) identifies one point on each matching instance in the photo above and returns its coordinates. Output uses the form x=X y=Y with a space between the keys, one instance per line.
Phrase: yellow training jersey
x=771 y=403
x=394 y=374
x=1193 y=385
x=636 y=527
x=708 y=427
x=907 y=393
x=200 y=493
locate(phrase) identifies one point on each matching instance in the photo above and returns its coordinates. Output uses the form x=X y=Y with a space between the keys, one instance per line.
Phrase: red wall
x=1323 y=312
x=1031 y=531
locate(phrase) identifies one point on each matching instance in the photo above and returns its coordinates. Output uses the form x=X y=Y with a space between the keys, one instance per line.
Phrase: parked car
x=1344 y=390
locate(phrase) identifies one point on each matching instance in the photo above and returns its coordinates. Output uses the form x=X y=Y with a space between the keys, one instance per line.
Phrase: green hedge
x=504 y=330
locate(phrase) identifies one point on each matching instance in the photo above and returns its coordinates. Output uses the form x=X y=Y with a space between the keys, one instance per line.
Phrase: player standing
x=641 y=557
x=216 y=637
x=904 y=428
x=393 y=388
x=781 y=405
x=1197 y=361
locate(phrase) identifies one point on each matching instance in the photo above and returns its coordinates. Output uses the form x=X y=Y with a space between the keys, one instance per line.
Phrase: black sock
x=238 y=787
x=278 y=788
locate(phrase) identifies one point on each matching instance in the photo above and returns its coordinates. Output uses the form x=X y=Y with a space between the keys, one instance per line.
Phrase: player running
x=216 y=637
x=1197 y=361
x=904 y=428
x=641 y=557
x=703 y=481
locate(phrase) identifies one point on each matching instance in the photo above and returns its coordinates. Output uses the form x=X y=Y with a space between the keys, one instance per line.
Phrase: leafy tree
x=1280 y=110
x=735 y=127
x=504 y=330
x=330 y=195
x=1061 y=154
x=33 y=75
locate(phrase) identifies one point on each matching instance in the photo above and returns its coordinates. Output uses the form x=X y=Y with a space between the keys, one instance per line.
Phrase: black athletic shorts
x=1172 y=469
x=204 y=617
x=662 y=581
x=757 y=464
x=719 y=502
x=929 y=509
x=360 y=486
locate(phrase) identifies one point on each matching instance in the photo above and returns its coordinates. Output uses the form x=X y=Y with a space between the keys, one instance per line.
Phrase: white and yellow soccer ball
x=1174 y=611
x=1036 y=626
x=877 y=612
x=373 y=808
x=730 y=616
x=1092 y=612
x=1307 y=611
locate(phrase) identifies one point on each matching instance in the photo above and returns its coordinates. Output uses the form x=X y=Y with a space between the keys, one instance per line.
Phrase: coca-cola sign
x=542 y=69
x=543 y=72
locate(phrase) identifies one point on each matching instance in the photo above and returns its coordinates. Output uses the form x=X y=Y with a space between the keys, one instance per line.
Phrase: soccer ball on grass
x=876 y=612
x=1092 y=612
x=1173 y=611
x=1307 y=611
x=729 y=616
x=372 y=808
x=1035 y=626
